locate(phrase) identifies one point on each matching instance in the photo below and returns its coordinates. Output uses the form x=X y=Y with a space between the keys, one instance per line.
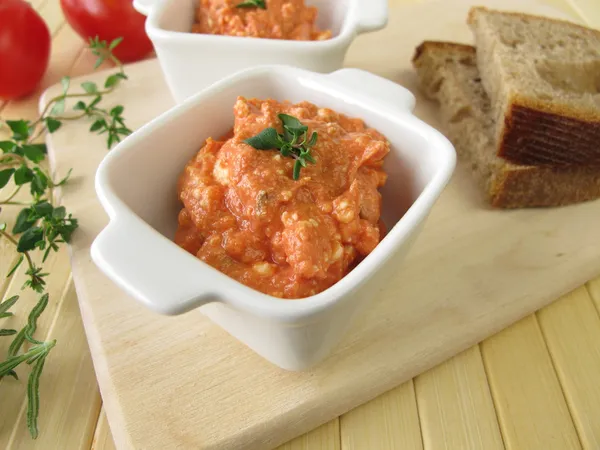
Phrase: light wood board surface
x=161 y=377
x=64 y=407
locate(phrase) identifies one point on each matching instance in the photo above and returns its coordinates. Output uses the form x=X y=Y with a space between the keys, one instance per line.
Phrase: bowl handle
x=144 y=6
x=152 y=278
x=371 y=15
x=384 y=91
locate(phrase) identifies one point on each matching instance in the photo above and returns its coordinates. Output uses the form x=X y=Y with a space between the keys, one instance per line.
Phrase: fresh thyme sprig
x=111 y=122
x=252 y=4
x=40 y=225
x=293 y=143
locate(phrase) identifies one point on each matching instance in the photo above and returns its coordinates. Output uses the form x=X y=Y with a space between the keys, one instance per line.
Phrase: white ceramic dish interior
x=136 y=184
x=190 y=62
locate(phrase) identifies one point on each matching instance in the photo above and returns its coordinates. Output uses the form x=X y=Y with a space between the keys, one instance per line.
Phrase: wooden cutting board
x=182 y=382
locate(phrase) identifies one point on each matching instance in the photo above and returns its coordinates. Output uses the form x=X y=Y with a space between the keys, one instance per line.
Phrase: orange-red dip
x=246 y=216
x=282 y=19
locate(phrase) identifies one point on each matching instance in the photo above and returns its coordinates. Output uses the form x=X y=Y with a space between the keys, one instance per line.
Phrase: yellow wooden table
x=535 y=385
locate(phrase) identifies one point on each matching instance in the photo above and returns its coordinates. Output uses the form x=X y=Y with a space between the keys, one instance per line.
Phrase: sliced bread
x=448 y=73
x=543 y=79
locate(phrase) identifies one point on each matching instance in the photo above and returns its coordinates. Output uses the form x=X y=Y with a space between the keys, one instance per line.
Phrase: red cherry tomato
x=24 y=49
x=110 y=19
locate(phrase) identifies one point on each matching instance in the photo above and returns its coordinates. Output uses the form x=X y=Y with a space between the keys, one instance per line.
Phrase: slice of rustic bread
x=448 y=73
x=543 y=78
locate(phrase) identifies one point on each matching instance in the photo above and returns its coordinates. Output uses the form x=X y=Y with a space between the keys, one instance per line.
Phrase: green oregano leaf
x=34 y=152
x=292 y=124
x=89 y=87
x=7 y=146
x=79 y=106
x=43 y=209
x=52 y=124
x=20 y=129
x=65 y=82
x=267 y=139
x=58 y=107
x=5 y=176
x=117 y=110
x=30 y=239
x=23 y=175
x=252 y=4
x=297 y=168
x=25 y=220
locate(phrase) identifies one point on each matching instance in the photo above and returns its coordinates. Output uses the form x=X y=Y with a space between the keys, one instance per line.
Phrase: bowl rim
x=246 y=298
x=347 y=33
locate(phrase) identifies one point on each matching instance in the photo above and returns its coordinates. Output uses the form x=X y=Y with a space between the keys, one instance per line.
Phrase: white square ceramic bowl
x=136 y=184
x=191 y=62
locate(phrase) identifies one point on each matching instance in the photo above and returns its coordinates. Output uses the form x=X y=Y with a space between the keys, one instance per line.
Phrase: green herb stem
x=12 y=240
x=13 y=194
x=17 y=160
x=76 y=117
x=13 y=203
x=41 y=131
x=65 y=96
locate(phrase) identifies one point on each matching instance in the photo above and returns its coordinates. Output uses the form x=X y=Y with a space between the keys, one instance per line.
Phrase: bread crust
x=483 y=9
x=534 y=136
x=540 y=132
x=513 y=186
x=545 y=187
x=442 y=45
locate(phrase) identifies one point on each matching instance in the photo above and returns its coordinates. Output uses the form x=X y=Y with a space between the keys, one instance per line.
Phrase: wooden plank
x=390 y=421
x=69 y=400
x=102 y=437
x=456 y=407
x=594 y=290
x=571 y=328
x=325 y=437
x=68 y=375
x=12 y=391
x=530 y=404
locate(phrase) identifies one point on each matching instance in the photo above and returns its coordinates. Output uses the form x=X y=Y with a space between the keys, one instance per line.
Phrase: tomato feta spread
x=281 y=19
x=245 y=215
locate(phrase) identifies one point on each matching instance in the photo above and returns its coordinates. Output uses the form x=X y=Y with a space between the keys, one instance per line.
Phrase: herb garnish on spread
x=254 y=216
x=252 y=4
x=293 y=143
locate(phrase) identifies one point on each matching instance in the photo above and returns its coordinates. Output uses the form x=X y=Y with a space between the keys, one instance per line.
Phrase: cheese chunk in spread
x=282 y=19
x=245 y=215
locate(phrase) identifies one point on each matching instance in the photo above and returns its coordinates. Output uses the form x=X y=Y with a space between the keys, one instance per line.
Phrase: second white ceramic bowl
x=136 y=184
x=191 y=62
